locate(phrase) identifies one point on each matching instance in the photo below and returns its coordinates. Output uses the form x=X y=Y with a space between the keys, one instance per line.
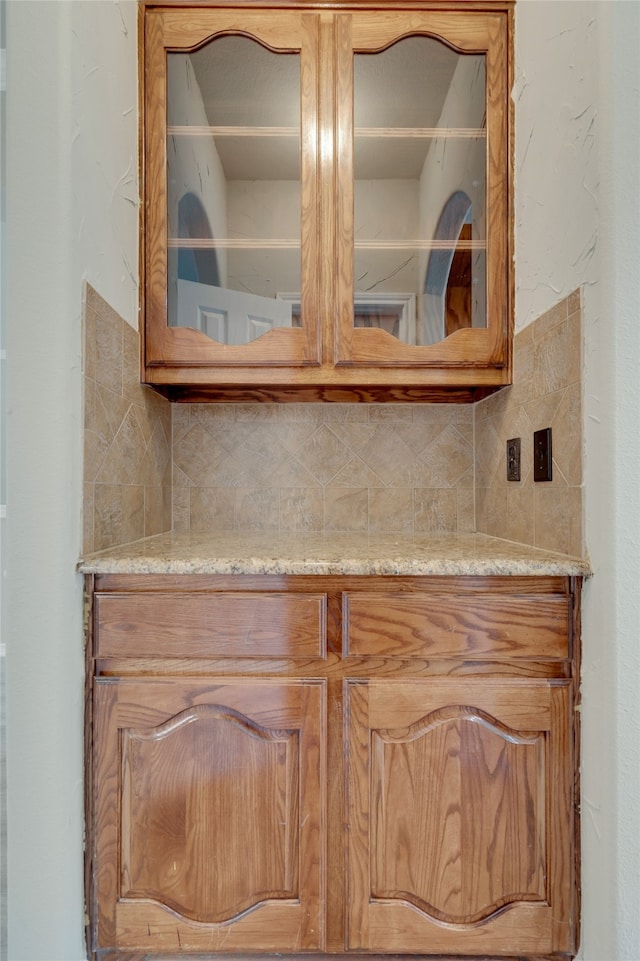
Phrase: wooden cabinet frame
x=145 y=725
x=327 y=358
x=509 y=807
x=182 y=347
x=356 y=756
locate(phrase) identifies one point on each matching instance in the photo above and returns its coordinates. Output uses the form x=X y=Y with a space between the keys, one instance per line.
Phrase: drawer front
x=463 y=625
x=211 y=625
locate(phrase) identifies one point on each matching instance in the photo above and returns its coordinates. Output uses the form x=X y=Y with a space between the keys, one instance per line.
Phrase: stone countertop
x=233 y=553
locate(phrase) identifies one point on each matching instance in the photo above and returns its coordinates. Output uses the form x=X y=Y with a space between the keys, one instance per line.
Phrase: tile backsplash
x=323 y=467
x=546 y=392
x=395 y=468
x=127 y=436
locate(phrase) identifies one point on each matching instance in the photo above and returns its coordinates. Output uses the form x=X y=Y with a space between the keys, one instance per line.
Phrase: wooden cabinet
x=327 y=200
x=332 y=765
x=213 y=791
x=458 y=796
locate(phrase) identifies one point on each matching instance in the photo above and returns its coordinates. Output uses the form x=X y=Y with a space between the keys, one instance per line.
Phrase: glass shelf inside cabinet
x=420 y=161
x=233 y=188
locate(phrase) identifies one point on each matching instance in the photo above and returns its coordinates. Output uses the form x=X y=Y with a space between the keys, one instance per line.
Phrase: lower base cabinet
x=367 y=766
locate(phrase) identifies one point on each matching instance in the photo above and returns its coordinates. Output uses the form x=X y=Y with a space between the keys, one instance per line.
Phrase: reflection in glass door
x=233 y=188
x=419 y=138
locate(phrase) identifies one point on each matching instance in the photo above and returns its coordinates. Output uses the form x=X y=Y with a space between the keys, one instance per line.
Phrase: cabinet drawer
x=461 y=625
x=211 y=625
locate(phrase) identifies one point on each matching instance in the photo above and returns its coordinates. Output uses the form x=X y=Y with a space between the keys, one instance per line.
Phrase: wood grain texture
x=483 y=753
x=376 y=30
x=174 y=847
x=331 y=667
x=211 y=804
x=478 y=626
x=179 y=348
x=211 y=625
x=327 y=358
x=396 y=804
x=340 y=393
x=464 y=584
x=472 y=348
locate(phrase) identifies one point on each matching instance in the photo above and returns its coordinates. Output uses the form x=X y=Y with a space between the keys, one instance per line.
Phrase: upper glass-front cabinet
x=326 y=200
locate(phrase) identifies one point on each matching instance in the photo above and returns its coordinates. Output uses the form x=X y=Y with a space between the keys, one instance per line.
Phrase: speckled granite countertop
x=232 y=553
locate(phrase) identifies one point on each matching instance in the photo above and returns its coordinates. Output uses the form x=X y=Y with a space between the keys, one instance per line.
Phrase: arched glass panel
x=419 y=139
x=233 y=188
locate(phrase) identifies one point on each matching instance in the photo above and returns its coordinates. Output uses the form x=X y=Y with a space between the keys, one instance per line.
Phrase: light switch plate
x=513 y=459
x=542 y=470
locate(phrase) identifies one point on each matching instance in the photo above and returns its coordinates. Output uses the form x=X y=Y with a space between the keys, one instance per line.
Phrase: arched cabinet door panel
x=231 y=189
x=459 y=805
x=208 y=824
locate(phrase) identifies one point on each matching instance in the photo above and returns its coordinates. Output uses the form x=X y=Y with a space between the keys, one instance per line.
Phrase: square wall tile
x=322 y=467
x=547 y=392
x=127 y=436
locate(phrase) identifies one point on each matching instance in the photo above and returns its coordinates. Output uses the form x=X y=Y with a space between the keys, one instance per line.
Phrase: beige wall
x=393 y=468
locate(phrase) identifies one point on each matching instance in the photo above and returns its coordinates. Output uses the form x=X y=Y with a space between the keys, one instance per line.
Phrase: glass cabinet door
x=231 y=192
x=423 y=150
x=327 y=198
